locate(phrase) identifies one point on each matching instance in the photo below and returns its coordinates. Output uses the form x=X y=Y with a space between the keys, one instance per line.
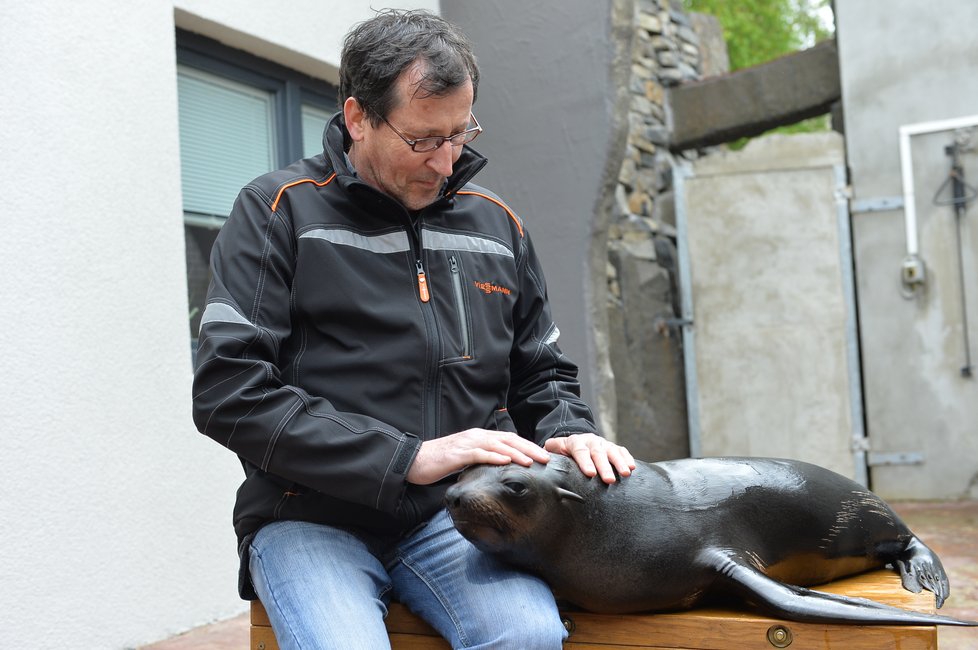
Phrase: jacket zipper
x=428 y=400
x=423 y=292
x=463 y=317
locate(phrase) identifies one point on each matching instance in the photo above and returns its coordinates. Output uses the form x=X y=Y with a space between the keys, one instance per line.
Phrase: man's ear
x=355 y=118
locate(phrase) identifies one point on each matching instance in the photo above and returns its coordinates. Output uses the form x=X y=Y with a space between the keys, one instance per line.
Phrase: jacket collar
x=336 y=141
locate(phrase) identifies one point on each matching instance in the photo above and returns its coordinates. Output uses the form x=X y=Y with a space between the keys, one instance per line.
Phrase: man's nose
x=443 y=158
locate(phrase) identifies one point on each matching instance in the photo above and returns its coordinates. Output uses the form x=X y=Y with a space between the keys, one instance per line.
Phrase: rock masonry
x=669 y=46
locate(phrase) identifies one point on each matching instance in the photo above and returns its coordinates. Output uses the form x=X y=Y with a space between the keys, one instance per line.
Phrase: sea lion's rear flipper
x=920 y=568
x=739 y=576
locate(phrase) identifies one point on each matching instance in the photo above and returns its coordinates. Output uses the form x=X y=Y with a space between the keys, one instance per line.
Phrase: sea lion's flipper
x=920 y=568
x=793 y=603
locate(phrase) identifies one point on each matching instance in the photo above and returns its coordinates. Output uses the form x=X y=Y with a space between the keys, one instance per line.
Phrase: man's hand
x=440 y=457
x=594 y=455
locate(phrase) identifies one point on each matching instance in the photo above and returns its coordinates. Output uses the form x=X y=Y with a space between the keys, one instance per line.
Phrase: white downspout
x=913 y=274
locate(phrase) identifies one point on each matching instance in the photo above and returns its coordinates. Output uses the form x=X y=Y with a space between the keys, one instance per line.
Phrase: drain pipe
x=681 y=170
x=912 y=270
x=859 y=442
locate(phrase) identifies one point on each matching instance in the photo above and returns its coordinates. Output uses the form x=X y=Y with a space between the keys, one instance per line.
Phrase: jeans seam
x=439 y=595
x=291 y=629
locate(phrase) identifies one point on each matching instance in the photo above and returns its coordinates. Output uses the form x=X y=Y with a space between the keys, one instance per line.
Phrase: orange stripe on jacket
x=278 y=196
x=512 y=216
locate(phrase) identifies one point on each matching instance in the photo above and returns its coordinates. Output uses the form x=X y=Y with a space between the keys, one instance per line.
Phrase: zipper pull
x=453 y=263
x=423 y=284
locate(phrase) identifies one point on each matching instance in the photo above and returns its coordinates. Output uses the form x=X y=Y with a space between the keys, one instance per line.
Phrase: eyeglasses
x=423 y=145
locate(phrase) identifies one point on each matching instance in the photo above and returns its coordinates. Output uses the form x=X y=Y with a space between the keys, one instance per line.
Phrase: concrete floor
x=951 y=529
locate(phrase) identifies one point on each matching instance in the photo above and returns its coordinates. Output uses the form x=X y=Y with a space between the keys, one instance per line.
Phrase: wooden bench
x=699 y=629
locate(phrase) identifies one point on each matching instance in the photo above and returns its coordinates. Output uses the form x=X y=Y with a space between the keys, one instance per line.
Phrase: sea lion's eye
x=516 y=487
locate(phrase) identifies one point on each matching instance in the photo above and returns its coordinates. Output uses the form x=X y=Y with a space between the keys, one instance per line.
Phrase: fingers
x=527 y=449
x=440 y=457
x=500 y=448
x=595 y=455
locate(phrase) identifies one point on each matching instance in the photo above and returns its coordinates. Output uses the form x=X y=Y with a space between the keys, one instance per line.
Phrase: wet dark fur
x=676 y=532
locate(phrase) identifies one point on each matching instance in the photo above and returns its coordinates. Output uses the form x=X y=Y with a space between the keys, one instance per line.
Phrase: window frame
x=289 y=89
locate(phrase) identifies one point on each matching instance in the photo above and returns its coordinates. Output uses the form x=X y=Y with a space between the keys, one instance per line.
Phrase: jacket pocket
x=288 y=498
x=501 y=421
x=460 y=309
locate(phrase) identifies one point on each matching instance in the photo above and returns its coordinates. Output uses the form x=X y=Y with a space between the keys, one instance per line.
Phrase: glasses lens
x=464 y=137
x=427 y=144
x=421 y=145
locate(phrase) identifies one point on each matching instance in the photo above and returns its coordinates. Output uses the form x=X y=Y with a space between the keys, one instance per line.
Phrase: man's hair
x=377 y=51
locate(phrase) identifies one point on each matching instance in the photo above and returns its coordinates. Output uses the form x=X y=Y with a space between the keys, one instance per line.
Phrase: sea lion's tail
x=810 y=606
x=795 y=603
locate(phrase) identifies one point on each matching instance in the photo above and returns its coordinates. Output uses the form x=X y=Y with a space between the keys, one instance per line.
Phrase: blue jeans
x=324 y=588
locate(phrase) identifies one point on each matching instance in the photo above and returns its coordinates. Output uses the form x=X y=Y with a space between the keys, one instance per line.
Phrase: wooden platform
x=699 y=629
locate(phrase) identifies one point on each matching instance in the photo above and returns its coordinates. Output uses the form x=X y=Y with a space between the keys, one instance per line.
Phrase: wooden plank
x=719 y=629
x=401 y=620
x=418 y=642
x=699 y=629
x=708 y=629
x=258 y=614
x=262 y=638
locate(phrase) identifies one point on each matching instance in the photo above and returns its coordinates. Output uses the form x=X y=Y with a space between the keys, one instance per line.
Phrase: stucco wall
x=908 y=65
x=769 y=310
x=116 y=512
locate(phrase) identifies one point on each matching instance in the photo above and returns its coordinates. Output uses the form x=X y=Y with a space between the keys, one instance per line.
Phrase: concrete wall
x=552 y=102
x=117 y=514
x=905 y=64
x=769 y=308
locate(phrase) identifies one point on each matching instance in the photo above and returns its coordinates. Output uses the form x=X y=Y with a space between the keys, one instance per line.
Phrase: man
x=375 y=324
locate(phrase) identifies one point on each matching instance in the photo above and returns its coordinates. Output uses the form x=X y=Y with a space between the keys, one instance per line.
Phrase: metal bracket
x=881 y=204
x=876 y=458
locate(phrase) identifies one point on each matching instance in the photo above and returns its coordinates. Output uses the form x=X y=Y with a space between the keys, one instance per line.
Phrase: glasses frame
x=467 y=136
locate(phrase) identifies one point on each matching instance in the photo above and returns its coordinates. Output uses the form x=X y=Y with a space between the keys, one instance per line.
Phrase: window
x=240 y=116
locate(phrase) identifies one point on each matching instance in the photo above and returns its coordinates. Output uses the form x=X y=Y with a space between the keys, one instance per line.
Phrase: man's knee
x=532 y=630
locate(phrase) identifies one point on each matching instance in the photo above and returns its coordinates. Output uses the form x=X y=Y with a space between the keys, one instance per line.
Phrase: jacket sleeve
x=240 y=398
x=544 y=395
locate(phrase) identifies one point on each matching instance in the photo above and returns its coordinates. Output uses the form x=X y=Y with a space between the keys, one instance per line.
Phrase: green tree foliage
x=757 y=31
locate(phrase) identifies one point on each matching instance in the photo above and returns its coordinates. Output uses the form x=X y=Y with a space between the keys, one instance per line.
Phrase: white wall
x=306 y=35
x=116 y=513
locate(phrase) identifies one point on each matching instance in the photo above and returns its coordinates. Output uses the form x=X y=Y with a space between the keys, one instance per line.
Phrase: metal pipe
x=906 y=169
x=959 y=200
x=680 y=172
x=859 y=442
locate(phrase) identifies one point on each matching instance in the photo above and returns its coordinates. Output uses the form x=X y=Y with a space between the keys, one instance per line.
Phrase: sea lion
x=678 y=532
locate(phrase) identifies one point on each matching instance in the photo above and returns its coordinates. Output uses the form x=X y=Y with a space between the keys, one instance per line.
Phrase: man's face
x=383 y=160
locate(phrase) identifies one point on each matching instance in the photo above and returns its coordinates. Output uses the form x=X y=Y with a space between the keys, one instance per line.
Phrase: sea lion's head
x=511 y=510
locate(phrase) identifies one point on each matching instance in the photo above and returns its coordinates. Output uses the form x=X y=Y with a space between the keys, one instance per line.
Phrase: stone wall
x=668 y=48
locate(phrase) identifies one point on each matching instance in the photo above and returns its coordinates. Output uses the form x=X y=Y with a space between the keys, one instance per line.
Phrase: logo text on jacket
x=488 y=288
